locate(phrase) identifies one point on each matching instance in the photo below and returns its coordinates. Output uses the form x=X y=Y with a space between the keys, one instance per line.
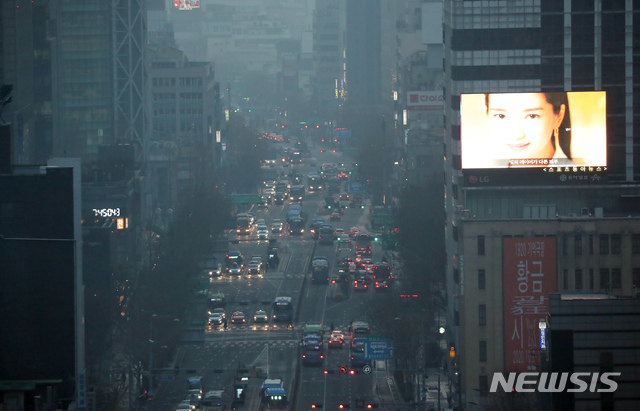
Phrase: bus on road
x=283 y=310
x=325 y=234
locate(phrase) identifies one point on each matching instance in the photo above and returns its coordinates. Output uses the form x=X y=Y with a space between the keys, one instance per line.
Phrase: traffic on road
x=283 y=324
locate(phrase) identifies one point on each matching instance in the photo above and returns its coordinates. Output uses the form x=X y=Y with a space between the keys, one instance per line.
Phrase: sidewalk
x=436 y=381
x=387 y=395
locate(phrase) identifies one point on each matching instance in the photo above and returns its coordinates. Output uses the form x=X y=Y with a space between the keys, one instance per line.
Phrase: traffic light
x=316 y=406
x=343 y=406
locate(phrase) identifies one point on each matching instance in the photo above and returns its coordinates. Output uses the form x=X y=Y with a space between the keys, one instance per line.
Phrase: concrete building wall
x=593 y=233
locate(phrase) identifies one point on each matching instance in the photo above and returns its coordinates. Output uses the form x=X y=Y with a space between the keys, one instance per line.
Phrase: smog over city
x=319 y=204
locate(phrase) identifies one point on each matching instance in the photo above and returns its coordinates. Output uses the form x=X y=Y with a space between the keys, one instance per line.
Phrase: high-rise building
x=98 y=76
x=535 y=46
x=371 y=59
x=185 y=111
x=25 y=64
x=328 y=54
x=42 y=283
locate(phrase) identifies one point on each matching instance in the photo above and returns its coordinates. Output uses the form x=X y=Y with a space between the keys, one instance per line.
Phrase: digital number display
x=106 y=212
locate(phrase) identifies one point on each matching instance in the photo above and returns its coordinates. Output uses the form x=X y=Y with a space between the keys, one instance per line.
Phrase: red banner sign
x=529 y=275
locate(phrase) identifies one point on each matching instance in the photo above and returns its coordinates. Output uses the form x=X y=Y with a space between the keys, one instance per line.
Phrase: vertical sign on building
x=529 y=275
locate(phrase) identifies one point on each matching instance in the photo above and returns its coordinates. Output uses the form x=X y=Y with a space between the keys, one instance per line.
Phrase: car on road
x=264 y=201
x=381 y=285
x=336 y=339
x=256 y=259
x=238 y=318
x=215 y=320
x=337 y=233
x=220 y=311
x=184 y=406
x=354 y=231
x=260 y=316
x=263 y=232
x=367 y=265
x=360 y=285
x=344 y=237
x=277 y=226
x=336 y=215
x=255 y=268
x=235 y=269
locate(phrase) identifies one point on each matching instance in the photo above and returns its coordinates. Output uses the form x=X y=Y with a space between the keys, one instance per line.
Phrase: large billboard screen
x=529 y=275
x=533 y=130
x=186 y=4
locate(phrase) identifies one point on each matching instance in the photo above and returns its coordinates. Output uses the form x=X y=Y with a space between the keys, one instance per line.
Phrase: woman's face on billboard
x=522 y=125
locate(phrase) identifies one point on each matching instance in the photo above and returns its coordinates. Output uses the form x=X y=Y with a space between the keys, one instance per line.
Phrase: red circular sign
x=343 y=369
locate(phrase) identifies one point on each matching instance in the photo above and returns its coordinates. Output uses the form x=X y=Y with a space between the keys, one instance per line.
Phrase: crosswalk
x=246 y=344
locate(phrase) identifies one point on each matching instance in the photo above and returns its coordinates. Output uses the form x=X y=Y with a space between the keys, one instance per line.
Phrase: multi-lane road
x=272 y=350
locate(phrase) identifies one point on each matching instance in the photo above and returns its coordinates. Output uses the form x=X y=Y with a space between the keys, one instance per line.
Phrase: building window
x=482 y=314
x=483 y=382
x=480 y=245
x=616 y=278
x=456 y=275
x=615 y=243
x=591 y=280
x=603 y=240
x=635 y=244
x=482 y=351
x=636 y=277
x=604 y=279
x=482 y=279
x=455 y=233
x=565 y=245
x=565 y=279
x=590 y=244
x=577 y=245
x=578 y=278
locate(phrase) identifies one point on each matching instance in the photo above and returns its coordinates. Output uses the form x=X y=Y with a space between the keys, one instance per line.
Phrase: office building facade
x=535 y=46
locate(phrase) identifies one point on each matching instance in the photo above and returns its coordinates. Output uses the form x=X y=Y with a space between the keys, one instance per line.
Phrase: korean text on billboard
x=529 y=275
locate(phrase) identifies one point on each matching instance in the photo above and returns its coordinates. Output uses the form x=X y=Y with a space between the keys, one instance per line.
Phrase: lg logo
x=473 y=179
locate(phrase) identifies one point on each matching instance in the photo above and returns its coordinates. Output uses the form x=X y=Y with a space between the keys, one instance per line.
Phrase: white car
x=260 y=317
x=263 y=232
